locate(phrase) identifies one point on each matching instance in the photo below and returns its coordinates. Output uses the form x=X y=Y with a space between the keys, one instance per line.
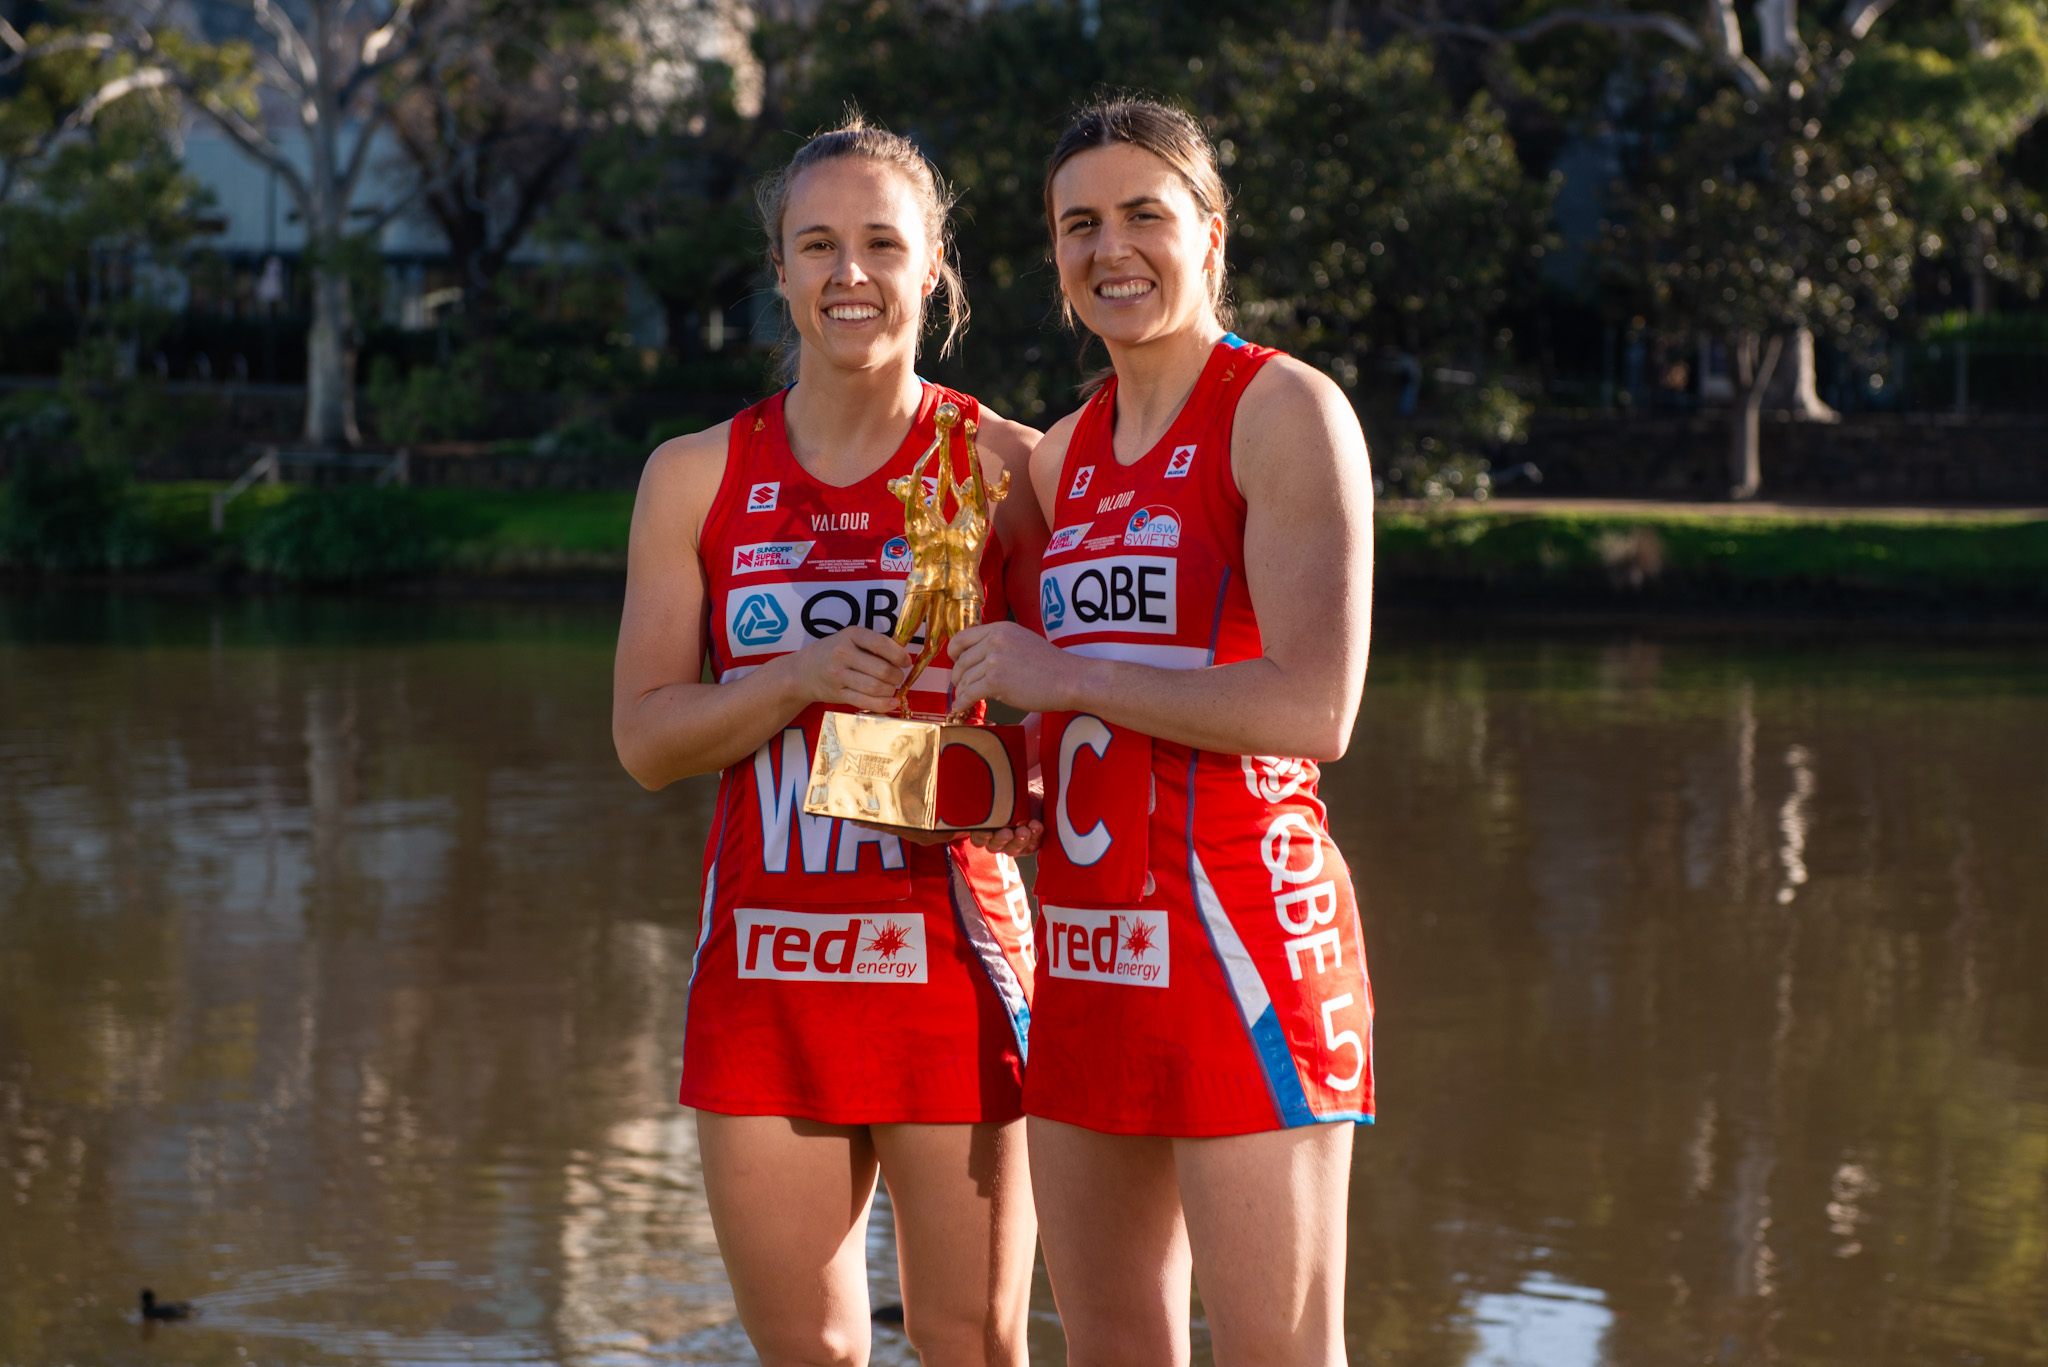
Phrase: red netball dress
x=1202 y=971
x=842 y=974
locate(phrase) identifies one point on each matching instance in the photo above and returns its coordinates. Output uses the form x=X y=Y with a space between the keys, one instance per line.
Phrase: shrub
x=72 y=515
x=34 y=423
x=350 y=532
x=586 y=438
x=429 y=402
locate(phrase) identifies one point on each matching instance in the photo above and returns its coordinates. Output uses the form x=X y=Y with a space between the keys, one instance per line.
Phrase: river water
x=342 y=977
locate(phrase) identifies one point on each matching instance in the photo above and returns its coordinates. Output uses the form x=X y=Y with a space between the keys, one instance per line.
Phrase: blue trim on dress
x=1232 y=340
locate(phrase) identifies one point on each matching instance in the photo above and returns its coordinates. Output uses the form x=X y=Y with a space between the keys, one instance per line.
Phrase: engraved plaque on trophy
x=915 y=770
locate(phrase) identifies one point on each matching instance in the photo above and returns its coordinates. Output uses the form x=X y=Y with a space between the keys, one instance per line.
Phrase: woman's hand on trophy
x=1011 y=664
x=854 y=667
x=1015 y=841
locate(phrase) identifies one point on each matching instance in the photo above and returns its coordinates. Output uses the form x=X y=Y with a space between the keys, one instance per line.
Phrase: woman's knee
x=829 y=1345
x=959 y=1339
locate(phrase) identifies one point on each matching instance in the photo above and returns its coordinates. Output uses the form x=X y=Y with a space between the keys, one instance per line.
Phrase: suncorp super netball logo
x=770 y=555
x=807 y=946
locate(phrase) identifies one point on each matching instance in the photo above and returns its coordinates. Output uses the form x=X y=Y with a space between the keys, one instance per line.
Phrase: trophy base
x=917 y=775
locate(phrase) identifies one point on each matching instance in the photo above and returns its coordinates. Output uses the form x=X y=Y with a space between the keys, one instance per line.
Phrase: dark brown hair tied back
x=857 y=138
x=1167 y=133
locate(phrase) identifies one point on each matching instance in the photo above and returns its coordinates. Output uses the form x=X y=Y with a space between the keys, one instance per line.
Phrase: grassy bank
x=1454 y=557
x=1713 y=556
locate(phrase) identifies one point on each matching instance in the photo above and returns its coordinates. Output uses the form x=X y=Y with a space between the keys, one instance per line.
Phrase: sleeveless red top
x=842 y=974
x=1202 y=969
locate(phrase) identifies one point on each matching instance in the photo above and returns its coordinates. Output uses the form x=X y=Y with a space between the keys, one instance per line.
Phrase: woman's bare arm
x=1300 y=459
x=666 y=722
x=1006 y=448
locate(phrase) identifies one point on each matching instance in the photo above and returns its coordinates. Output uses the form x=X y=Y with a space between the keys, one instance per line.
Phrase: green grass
x=1461 y=554
x=1687 y=555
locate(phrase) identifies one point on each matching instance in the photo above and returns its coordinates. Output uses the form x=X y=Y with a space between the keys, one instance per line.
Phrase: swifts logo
x=1066 y=538
x=770 y=555
x=1128 y=948
x=1272 y=778
x=896 y=556
x=760 y=622
x=1180 y=462
x=1157 y=525
x=804 y=946
x=1083 y=477
x=762 y=498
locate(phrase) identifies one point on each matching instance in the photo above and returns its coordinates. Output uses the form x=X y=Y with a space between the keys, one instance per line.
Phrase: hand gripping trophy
x=943 y=592
x=885 y=770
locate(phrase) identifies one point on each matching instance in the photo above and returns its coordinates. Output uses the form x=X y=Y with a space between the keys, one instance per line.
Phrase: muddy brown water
x=342 y=977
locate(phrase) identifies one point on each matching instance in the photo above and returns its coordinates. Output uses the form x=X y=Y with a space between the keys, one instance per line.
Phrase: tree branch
x=256 y=145
x=1725 y=30
x=1671 y=28
x=26 y=52
x=1862 y=16
x=149 y=78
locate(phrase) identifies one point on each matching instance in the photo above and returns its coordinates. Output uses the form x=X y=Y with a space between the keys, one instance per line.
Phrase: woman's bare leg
x=1115 y=1243
x=789 y=1202
x=1266 y=1218
x=964 y=1238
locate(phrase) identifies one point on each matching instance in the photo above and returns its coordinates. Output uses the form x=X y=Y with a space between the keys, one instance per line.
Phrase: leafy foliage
x=1374 y=214
x=69 y=516
x=428 y=402
x=347 y=532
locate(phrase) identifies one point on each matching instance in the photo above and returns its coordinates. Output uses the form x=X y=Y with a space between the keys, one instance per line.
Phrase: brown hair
x=857 y=138
x=1168 y=134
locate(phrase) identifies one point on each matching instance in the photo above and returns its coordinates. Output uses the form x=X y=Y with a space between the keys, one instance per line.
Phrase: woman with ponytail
x=1201 y=1042
x=859 y=1002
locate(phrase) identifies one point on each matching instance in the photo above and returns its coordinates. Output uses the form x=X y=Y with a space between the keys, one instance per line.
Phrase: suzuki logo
x=761 y=622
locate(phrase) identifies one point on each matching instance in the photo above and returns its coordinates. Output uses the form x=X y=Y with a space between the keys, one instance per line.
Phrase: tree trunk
x=1804 y=399
x=1755 y=359
x=330 y=363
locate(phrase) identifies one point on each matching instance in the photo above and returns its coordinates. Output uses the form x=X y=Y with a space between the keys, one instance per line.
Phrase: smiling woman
x=1202 y=1043
x=858 y=1001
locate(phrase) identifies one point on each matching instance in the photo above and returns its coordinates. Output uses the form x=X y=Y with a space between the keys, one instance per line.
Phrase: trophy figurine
x=922 y=771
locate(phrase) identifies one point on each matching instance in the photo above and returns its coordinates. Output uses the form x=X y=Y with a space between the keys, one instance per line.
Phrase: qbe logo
x=1157 y=525
x=1052 y=609
x=1180 y=462
x=1066 y=538
x=830 y=947
x=1129 y=948
x=759 y=622
x=821 y=608
x=770 y=555
x=896 y=556
x=1083 y=477
x=1122 y=594
x=763 y=496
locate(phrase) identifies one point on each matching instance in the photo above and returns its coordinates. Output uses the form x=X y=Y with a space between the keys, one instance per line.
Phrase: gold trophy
x=923 y=771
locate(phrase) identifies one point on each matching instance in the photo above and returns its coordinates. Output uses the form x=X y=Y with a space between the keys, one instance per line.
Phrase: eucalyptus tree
x=494 y=129
x=1379 y=222
x=337 y=69
x=86 y=168
x=1784 y=185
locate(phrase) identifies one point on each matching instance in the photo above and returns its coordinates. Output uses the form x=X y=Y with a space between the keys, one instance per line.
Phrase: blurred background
x=1513 y=232
x=1696 y=802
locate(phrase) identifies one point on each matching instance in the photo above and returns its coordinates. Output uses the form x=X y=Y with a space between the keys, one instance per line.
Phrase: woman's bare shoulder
x=1005 y=443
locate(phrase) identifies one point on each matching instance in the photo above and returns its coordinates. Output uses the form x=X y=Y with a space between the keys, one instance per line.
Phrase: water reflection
x=342 y=977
